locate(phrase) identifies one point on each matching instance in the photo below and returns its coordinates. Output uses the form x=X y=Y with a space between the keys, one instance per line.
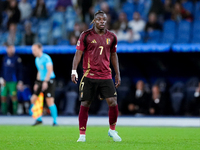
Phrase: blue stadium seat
x=169 y=30
x=2 y=40
x=197 y=11
x=34 y=22
x=50 y=5
x=62 y=42
x=196 y=38
x=168 y=38
x=154 y=36
x=140 y=8
x=44 y=29
x=70 y=17
x=183 y=32
x=188 y=6
x=58 y=22
x=33 y=3
x=169 y=25
x=196 y=27
x=111 y=3
x=196 y=32
x=129 y=9
x=58 y=19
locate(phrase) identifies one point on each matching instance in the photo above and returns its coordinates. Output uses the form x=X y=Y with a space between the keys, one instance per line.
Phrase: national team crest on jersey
x=108 y=41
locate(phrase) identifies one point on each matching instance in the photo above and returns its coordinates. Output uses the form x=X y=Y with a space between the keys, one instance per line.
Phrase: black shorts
x=50 y=91
x=90 y=88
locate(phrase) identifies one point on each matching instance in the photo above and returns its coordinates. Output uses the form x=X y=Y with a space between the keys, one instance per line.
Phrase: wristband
x=74 y=73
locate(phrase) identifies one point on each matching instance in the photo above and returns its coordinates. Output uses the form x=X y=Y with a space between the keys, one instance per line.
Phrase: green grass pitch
x=64 y=138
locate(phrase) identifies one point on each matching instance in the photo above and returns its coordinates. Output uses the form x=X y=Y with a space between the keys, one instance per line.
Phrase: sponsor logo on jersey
x=108 y=41
x=78 y=43
x=114 y=123
x=94 y=41
x=82 y=128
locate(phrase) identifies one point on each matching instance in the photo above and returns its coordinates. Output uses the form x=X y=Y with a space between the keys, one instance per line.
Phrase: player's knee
x=86 y=103
x=112 y=101
x=50 y=101
x=14 y=98
x=3 y=99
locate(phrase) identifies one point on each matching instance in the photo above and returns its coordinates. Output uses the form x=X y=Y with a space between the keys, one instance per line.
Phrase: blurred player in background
x=45 y=82
x=11 y=75
x=99 y=47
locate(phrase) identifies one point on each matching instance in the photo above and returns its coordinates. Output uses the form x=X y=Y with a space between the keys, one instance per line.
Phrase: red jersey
x=97 y=49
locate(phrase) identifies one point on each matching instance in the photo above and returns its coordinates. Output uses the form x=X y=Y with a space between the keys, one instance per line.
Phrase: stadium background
x=161 y=55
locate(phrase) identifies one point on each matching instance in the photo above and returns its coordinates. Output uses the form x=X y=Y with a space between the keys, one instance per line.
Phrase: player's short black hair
x=39 y=45
x=99 y=12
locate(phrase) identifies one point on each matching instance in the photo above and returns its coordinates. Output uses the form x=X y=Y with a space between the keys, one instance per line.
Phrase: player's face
x=10 y=50
x=100 y=21
x=35 y=50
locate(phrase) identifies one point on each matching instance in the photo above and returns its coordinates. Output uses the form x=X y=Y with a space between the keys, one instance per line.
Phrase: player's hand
x=117 y=80
x=35 y=87
x=74 y=76
x=44 y=85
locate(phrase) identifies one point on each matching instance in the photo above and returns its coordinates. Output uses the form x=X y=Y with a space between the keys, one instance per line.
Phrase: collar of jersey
x=97 y=33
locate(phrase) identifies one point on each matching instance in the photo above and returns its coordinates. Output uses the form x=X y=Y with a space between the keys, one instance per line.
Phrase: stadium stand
x=157 y=52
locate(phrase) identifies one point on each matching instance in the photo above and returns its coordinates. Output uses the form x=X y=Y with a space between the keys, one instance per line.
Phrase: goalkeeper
x=45 y=82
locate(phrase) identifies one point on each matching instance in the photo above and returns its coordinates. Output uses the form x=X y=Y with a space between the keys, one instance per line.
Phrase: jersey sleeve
x=114 y=45
x=80 y=44
x=48 y=60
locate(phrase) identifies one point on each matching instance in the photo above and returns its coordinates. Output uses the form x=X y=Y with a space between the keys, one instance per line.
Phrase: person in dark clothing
x=11 y=74
x=179 y=13
x=156 y=7
x=13 y=13
x=40 y=10
x=158 y=102
x=86 y=8
x=23 y=96
x=152 y=23
x=29 y=37
x=196 y=102
x=139 y=101
x=111 y=13
x=167 y=9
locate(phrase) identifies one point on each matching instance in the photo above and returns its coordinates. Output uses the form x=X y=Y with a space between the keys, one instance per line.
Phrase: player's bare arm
x=38 y=76
x=35 y=87
x=115 y=63
x=76 y=61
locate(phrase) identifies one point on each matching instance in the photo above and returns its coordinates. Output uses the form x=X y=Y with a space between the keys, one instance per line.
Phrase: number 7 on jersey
x=101 y=47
